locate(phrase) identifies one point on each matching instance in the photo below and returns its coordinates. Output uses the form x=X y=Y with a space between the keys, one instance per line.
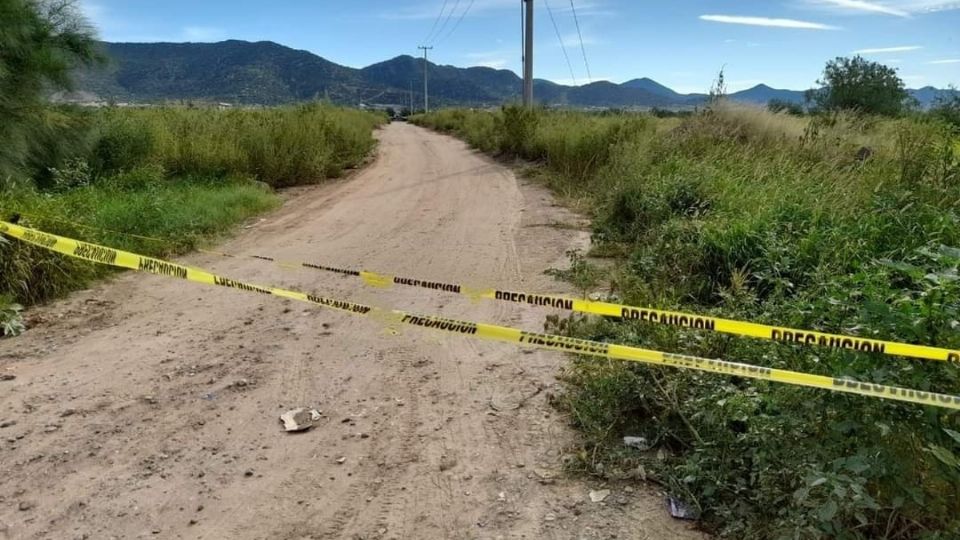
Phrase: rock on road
x=148 y=407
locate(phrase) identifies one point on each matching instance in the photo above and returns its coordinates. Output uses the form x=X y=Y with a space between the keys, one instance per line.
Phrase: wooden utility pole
x=528 y=55
x=426 y=88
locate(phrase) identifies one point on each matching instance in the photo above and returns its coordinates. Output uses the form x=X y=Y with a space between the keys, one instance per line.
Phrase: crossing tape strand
x=122 y=259
x=645 y=314
x=659 y=316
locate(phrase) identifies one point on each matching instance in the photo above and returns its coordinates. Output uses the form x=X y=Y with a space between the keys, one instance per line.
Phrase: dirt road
x=148 y=407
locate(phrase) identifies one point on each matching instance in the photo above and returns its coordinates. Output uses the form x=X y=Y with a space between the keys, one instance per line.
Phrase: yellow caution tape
x=109 y=256
x=656 y=316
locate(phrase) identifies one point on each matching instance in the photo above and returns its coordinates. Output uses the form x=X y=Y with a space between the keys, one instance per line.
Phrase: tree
x=41 y=42
x=782 y=105
x=947 y=108
x=860 y=85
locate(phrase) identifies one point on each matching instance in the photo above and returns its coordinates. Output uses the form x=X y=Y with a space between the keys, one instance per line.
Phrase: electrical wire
x=457 y=25
x=446 y=21
x=582 y=48
x=436 y=22
x=560 y=39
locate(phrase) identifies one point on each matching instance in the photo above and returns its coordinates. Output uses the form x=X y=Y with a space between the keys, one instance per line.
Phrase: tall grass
x=838 y=223
x=281 y=147
x=181 y=175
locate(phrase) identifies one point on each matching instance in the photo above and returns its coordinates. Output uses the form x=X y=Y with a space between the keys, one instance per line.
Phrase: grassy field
x=181 y=175
x=839 y=223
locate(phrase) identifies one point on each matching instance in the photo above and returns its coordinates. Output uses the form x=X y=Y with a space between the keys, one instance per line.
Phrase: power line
x=457 y=25
x=435 y=22
x=582 y=48
x=446 y=21
x=560 y=39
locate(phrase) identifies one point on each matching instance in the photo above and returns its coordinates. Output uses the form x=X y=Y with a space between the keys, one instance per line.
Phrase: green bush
x=180 y=175
x=836 y=222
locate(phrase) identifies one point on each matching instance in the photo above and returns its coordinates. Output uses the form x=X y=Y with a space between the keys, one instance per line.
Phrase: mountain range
x=267 y=73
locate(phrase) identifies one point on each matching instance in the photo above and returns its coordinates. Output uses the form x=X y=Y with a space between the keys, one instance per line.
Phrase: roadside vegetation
x=183 y=175
x=839 y=220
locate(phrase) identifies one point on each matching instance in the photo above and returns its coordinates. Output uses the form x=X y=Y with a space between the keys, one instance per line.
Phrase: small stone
x=599 y=495
x=7 y=377
x=26 y=505
x=447 y=463
x=248 y=473
x=7 y=423
x=640 y=443
x=341 y=460
x=550 y=517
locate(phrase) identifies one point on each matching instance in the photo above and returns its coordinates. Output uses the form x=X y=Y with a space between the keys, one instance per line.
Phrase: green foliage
x=180 y=175
x=41 y=41
x=842 y=223
x=183 y=214
x=281 y=147
x=860 y=85
x=947 y=109
x=789 y=107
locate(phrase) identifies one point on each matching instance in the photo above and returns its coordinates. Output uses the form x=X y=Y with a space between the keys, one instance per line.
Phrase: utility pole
x=426 y=89
x=528 y=55
x=411 y=96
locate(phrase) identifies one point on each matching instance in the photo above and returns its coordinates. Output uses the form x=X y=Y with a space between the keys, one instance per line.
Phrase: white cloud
x=879 y=50
x=431 y=9
x=892 y=61
x=945 y=61
x=860 y=5
x=579 y=82
x=203 y=33
x=573 y=41
x=497 y=59
x=766 y=21
x=898 y=8
x=924 y=6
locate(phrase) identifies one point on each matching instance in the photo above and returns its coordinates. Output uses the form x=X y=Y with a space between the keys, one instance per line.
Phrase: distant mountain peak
x=266 y=72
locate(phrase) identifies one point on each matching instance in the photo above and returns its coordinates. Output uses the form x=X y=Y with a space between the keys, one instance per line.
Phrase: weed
x=835 y=222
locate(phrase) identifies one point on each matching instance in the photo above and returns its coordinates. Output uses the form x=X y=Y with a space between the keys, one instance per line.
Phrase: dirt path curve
x=147 y=407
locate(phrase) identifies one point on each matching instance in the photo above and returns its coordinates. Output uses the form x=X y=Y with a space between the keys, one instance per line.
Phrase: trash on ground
x=640 y=443
x=599 y=495
x=299 y=419
x=681 y=510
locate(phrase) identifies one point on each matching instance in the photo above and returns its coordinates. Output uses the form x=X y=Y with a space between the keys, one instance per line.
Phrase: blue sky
x=681 y=43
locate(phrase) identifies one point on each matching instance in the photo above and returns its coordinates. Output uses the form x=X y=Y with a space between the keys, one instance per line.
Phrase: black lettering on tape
x=836 y=342
x=343 y=271
x=39 y=238
x=225 y=282
x=164 y=268
x=574 y=345
x=434 y=285
x=338 y=304
x=673 y=319
x=95 y=253
x=535 y=299
x=436 y=323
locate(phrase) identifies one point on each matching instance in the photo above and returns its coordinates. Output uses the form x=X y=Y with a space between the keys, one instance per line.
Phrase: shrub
x=839 y=222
